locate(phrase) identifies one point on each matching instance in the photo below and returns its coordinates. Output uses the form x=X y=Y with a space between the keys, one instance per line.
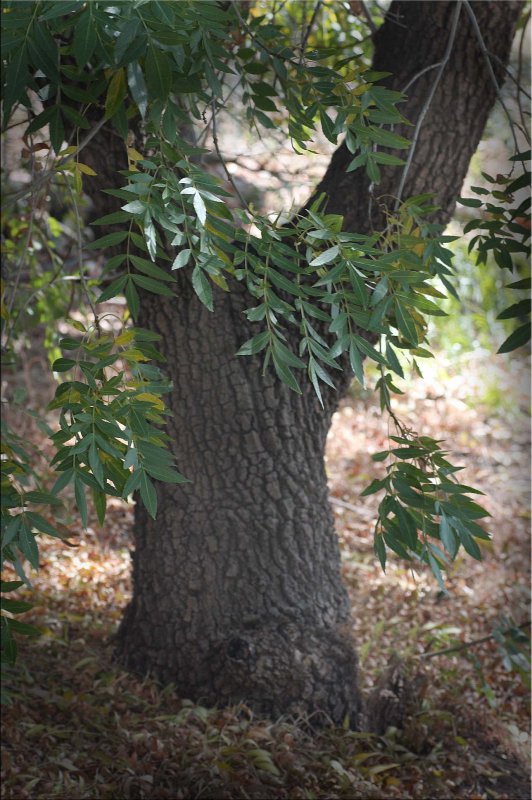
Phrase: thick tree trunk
x=237 y=585
x=238 y=593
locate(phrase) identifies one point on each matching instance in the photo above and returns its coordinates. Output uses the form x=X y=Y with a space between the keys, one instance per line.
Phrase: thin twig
x=47 y=174
x=373 y=28
x=419 y=74
x=79 y=241
x=480 y=39
x=221 y=158
x=342 y=503
x=466 y=645
x=308 y=30
x=428 y=101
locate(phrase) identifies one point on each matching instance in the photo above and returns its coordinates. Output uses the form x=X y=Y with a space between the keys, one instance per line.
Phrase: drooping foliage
x=161 y=76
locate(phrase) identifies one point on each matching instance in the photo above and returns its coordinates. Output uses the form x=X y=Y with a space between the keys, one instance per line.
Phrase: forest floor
x=79 y=727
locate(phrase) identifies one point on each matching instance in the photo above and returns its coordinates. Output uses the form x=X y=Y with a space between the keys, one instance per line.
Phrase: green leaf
x=28 y=546
x=380 y=550
x=326 y=257
x=132 y=297
x=158 y=73
x=85 y=36
x=285 y=374
x=520 y=309
x=150 y=269
x=388 y=139
x=376 y=485
x=369 y=350
x=44 y=51
x=10 y=586
x=152 y=285
x=255 y=344
x=57 y=129
x=405 y=323
x=164 y=473
x=182 y=259
x=327 y=126
x=113 y=289
x=284 y=283
x=283 y=354
x=23 y=628
x=109 y=240
x=393 y=360
x=81 y=501
x=436 y=571
x=39 y=522
x=355 y=360
x=137 y=86
x=115 y=93
x=63 y=364
x=96 y=465
x=150 y=236
x=517 y=339
x=14 y=606
x=132 y=483
x=148 y=494
x=15 y=82
x=100 y=503
x=135 y=207
x=202 y=287
x=470 y=202
x=448 y=537
x=199 y=207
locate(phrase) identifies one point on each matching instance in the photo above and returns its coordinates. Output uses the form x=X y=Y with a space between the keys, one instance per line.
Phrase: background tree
x=238 y=594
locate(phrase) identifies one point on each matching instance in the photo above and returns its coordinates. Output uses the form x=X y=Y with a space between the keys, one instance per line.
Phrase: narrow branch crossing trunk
x=237 y=585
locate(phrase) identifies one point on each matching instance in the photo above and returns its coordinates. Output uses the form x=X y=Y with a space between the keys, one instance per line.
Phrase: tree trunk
x=237 y=586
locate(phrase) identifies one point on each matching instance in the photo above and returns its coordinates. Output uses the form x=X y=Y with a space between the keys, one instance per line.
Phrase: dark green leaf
x=517 y=339
x=28 y=546
x=85 y=36
x=152 y=285
x=520 y=309
x=158 y=73
x=148 y=494
x=255 y=344
x=81 y=501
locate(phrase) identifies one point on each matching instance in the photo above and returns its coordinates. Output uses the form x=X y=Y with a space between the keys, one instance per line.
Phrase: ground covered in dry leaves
x=79 y=727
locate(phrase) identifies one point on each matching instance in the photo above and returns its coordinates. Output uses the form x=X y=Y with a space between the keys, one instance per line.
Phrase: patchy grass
x=79 y=727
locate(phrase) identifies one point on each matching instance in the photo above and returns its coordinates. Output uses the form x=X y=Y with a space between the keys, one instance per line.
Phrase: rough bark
x=237 y=585
x=414 y=37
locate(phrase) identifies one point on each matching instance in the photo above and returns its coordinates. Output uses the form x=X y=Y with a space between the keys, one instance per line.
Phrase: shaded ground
x=80 y=728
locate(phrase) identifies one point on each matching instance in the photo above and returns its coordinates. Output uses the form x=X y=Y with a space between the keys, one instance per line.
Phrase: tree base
x=276 y=670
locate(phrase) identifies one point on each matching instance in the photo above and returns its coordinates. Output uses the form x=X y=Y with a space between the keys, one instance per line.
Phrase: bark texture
x=237 y=585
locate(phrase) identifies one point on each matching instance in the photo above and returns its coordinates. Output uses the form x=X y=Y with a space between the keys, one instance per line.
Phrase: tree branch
x=427 y=104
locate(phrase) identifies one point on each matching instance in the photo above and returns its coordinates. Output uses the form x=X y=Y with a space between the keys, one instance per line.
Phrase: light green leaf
x=182 y=259
x=199 y=207
x=202 y=287
x=326 y=257
x=405 y=323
